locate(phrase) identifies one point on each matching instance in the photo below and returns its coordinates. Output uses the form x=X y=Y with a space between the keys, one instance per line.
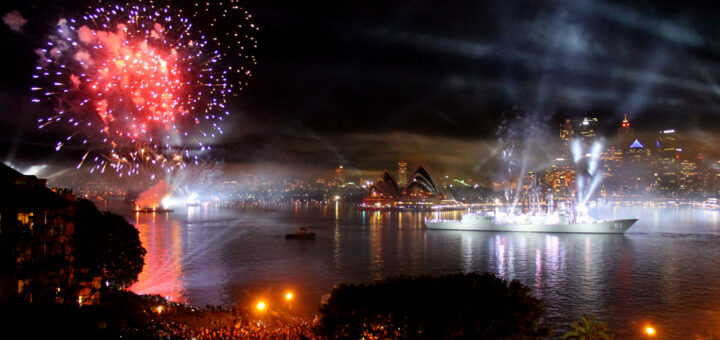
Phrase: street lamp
x=288 y=297
x=650 y=331
x=260 y=306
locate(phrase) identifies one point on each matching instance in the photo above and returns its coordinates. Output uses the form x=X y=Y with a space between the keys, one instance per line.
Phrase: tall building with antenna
x=402 y=174
x=625 y=134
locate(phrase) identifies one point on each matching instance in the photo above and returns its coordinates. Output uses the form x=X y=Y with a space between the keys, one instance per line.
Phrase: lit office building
x=587 y=130
x=340 y=176
x=402 y=173
x=667 y=163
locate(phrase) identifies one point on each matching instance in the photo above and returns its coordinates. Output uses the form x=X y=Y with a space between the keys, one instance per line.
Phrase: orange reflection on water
x=375 y=243
x=162 y=271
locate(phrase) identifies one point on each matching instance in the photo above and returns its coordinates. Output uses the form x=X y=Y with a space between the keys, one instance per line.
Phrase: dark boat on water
x=303 y=234
x=152 y=210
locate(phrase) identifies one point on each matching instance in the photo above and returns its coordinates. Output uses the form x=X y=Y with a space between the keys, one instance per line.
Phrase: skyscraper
x=402 y=174
x=566 y=132
x=690 y=179
x=340 y=176
x=587 y=130
x=636 y=167
x=628 y=163
x=667 y=151
x=625 y=134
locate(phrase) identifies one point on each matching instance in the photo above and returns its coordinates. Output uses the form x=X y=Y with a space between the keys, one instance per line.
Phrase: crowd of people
x=180 y=321
x=170 y=330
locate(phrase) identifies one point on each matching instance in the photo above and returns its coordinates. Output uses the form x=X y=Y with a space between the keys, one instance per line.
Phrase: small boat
x=303 y=234
x=152 y=210
x=710 y=204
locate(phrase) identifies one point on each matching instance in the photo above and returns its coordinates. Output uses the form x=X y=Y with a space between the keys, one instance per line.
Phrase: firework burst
x=142 y=82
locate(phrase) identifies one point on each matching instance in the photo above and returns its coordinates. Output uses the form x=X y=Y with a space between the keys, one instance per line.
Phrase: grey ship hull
x=482 y=224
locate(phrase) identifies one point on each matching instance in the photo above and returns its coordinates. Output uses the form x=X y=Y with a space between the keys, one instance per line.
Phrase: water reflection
x=163 y=268
x=538 y=274
x=467 y=253
x=375 y=245
x=661 y=271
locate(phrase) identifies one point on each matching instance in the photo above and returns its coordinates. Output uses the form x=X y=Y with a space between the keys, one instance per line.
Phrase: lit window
x=25 y=219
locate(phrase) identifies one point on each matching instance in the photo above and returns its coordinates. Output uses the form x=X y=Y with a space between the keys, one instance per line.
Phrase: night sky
x=365 y=84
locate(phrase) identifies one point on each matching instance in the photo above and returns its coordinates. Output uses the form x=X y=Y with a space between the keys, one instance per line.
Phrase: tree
x=107 y=245
x=588 y=329
x=470 y=306
x=127 y=256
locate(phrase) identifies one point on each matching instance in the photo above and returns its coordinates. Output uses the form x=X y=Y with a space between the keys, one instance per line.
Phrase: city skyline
x=459 y=158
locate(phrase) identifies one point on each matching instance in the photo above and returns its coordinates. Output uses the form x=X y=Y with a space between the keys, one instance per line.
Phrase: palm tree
x=588 y=329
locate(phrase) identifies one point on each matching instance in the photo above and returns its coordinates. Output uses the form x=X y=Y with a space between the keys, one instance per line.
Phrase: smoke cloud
x=15 y=21
x=152 y=197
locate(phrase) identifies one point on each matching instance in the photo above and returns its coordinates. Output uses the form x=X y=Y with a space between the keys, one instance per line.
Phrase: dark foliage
x=588 y=328
x=120 y=310
x=107 y=245
x=460 y=306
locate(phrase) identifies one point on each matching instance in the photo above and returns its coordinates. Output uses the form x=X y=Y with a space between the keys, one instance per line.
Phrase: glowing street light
x=260 y=306
x=288 y=296
x=650 y=331
x=159 y=309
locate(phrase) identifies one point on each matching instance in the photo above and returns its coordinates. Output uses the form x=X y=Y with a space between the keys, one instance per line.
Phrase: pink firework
x=141 y=85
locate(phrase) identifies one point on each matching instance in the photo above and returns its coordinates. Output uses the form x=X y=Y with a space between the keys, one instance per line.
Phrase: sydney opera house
x=420 y=193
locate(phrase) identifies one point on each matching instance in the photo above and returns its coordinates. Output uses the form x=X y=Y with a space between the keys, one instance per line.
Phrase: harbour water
x=663 y=272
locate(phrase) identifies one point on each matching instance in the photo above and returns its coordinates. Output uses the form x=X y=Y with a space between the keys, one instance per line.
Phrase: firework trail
x=144 y=85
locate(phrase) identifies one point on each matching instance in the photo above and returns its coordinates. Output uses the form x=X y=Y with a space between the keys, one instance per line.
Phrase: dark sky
x=450 y=69
x=365 y=83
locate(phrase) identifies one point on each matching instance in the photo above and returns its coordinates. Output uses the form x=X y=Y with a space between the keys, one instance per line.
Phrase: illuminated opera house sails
x=420 y=193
